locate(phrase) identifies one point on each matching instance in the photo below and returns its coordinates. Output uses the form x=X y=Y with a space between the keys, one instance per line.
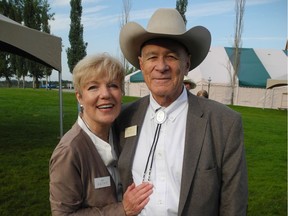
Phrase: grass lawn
x=29 y=131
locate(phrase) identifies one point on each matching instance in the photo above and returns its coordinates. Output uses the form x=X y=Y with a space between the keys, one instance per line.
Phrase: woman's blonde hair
x=97 y=66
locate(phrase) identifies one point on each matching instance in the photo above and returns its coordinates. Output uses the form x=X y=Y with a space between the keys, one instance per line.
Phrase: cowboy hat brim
x=197 y=40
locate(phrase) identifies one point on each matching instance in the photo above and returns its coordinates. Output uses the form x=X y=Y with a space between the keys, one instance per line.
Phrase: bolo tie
x=160 y=118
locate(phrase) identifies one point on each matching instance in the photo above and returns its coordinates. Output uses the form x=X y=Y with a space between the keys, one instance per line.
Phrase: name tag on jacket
x=102 y=182
x=131 y=131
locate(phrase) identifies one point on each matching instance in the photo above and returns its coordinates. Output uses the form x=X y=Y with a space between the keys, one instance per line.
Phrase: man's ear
x=140 y=62
x=188 y=63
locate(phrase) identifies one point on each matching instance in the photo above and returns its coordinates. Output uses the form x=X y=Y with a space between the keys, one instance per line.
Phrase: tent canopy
x=272 y=83
x=137 y=77
x=256 y=67
x=30 y=43
x=35 y=45
x=251 y=73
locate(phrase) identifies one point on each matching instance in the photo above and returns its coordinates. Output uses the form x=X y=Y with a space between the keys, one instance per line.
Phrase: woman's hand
x=135 y=198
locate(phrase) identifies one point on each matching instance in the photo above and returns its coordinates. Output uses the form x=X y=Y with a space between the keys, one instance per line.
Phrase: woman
x=84 y=179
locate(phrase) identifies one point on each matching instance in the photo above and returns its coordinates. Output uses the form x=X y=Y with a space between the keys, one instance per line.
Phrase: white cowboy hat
x=188 y=80
x=165 y=23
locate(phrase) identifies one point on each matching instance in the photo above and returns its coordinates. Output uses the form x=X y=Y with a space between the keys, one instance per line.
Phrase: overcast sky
x=265 y=23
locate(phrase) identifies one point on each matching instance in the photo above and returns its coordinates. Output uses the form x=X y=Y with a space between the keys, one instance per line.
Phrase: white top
x=167 y=166
x=105 y=150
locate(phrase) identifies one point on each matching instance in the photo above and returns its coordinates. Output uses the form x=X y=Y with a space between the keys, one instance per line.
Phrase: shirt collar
x=104 y=149
x=174 y=109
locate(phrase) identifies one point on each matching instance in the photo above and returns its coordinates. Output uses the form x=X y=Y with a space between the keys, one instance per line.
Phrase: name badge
x=130 y=131
x=102 y=182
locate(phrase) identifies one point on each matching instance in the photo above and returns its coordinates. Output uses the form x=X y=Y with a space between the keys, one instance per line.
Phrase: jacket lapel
x=195 y=130
x=130 y=143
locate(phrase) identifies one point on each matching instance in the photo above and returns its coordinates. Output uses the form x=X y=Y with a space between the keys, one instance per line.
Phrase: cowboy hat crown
x=165 y=23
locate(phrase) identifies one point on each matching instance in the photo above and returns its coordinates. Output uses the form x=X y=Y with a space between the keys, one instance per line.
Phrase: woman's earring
x=81 y=108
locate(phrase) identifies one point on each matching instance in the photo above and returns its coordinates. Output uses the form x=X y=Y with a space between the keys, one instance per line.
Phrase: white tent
x=214 y=67
x=35 y=45
x=215 y=72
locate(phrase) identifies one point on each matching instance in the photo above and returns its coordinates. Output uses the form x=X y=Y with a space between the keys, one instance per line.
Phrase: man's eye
x=172 y=57
x=151 y=57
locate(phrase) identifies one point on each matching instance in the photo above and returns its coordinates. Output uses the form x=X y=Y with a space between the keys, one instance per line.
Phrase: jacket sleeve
x=234 y=191
x=67 y=189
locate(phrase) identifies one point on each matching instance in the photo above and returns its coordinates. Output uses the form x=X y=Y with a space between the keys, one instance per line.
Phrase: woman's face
x=101 y=101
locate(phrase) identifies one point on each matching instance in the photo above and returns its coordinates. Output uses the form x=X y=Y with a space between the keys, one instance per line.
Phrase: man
x=189 y=84
x=202 y=93
x=191 y=149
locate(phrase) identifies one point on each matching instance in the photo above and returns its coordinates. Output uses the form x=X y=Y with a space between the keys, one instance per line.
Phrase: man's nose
x=161 y=65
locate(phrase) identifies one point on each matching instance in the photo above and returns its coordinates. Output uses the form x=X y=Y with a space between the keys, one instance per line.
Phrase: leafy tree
x=15 y=14
x=5 y=69
x=78 y=48
x=7 y=8
x=21 y=70
x=46 y=28
x=32 y=19
x=181 y=6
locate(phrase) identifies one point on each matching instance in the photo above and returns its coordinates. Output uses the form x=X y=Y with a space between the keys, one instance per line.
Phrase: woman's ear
x=78 y=96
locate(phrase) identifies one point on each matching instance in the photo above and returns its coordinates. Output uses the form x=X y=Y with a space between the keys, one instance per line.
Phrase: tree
x=181 y=6
x=32 y=19
x=124 y=20
x=77 y=51
x=5 y=69
x=6 y=59
x=18 y=63
x=46 y=28
x=235 y=58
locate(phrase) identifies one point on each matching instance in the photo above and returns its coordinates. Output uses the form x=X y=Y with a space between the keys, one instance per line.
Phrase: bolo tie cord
x=152 y=153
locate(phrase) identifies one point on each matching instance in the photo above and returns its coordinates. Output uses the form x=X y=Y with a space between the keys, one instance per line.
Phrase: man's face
x=164 y=63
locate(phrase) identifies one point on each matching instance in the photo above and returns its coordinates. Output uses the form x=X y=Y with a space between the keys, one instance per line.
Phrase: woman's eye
x=113 y=85
x=92 y=88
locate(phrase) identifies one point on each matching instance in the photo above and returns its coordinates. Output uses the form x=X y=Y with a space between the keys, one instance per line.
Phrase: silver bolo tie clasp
x=160 y=116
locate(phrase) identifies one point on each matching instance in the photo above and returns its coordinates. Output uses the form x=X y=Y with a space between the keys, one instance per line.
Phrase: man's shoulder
x=213 y=107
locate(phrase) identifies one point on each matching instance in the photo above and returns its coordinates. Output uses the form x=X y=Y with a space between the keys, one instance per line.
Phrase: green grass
x=265 y=133
x=29 y=131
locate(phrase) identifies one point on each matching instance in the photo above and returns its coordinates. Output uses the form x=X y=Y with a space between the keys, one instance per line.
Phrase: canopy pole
x=60 y=104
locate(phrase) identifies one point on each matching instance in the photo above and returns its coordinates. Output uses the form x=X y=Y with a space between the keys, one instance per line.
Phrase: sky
x=265 y=23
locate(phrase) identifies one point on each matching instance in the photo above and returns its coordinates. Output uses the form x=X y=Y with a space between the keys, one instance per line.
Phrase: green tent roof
x=251 y=73
x=137 y=77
